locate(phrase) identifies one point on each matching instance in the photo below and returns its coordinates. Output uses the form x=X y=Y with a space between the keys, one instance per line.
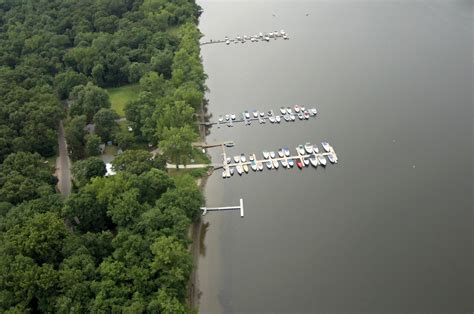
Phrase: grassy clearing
x=195 y=173
x=119 y=96
x=199 y=157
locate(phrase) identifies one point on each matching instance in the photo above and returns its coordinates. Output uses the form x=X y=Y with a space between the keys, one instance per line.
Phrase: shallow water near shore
x=388 y=229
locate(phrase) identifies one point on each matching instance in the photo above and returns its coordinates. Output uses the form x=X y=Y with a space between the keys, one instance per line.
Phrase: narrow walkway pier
x=210 y=209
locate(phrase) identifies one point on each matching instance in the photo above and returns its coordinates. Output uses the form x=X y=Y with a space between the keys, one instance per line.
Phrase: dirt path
x=63 y=164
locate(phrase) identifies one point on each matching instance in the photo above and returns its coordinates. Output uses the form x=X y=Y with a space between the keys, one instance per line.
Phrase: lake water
x=388 y=229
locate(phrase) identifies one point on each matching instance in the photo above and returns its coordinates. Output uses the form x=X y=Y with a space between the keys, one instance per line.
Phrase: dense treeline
x=117 y=244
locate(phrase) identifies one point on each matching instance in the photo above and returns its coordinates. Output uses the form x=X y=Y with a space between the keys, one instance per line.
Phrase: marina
x=306 y=155
x=260 y=37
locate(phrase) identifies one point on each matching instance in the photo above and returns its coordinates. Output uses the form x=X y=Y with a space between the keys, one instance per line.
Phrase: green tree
x=75 y=132
x=134 y=161
x=84 y=170
x=175 y=115
x=66 y=81
x=124 y=139
x=88 y=100
x=177 y=144
x=93 y=142
x=105 y=124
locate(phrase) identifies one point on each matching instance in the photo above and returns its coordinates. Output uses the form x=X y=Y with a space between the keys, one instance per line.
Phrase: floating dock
x=211 y=209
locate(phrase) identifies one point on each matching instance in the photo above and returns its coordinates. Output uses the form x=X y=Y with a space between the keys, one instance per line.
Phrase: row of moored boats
x=308 y=154
x=258 y=37
x=287 y=114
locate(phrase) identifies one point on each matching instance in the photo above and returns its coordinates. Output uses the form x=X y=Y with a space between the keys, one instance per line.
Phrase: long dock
x=261 y=37
x=247 y=121
x=210 y=209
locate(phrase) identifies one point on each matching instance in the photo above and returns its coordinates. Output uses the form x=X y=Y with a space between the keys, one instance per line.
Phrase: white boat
x=267 y=38
x=262 y=114
x=275 y=164
x=259 y=166
x=246 y=168
x=231 y=171
x=282 y=32
x=288 y=110
x=272 y=154
x=266 y=154
x=284 y=163
x=313 y=161
x=255 y=113
x=285 y=36
x=272 y=119
x=286 y=117
x=239 y=169
x=306 y=114
x=282 y=110
x=251 y=158
x=280 y=153
x=236 y=159
x=228 y=160
x=247 y=114
x=300 y=116
x=300 y=149
x=227 y=42
x=224 y=174
x=314 y=111
x=315 y=149
x=292 y=117
x=242 y=158
x=261 y=120
x=331 y=158
x=291 y=162
x=303 y=108
x=277 y=119
x=253 y=165
x=297 y=108
x=232 y=116
x=306 y=162
x=322 y=160
x=221 y=118
x=326 y=146
x=260 y=34
x=227 y=117
x=308 y=148
x=269 y=164
x=286 y=150
x=270 y=113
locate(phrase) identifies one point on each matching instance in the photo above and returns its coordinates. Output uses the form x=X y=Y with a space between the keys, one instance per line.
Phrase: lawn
x=119 y=96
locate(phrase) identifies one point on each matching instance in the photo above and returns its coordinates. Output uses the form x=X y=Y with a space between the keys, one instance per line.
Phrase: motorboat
x=277 y=119
x=292 y=117
x=266 y=154
x=232 y=116
x=291 y=162
x=270 y=113
x=306 y=114
x=288 y=110
x=253 y=165
x=228 y=160
x=286 y=117
x=236 y=159
x=283 y=110
x=284 y=163
x=245 y=167
x=299 y=164
x=322 y=160
x=315 y=149
x=281 y=154
x=314 y=161
x=272 y=119
x=239 y=169
x=255 y=113
x=231 y=171
x=247 y=114
x=300 y=116
x=269 y=164
x=285 y=37
x=251 y=158
x=331 y=158
x=303 y=108
x=267 y=38
x=242 y=158
x=260 y=34
x=306 y=161
x=227 y=117
x=297 y=108
x=275 y=164
x=301 y=150
x=262 y=114
x=286 y=150
x=308 y=148
x=261 y=120
x=326 y=146
x=314 y=111
x=259 y=166
x=272 y=154
x=221 y=118
x=227 y=42
x=282 y=32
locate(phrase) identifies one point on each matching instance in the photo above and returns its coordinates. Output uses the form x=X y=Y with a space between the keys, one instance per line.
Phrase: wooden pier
x=210 y=209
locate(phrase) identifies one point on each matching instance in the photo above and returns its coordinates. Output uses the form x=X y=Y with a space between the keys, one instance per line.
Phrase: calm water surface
x=388 y=229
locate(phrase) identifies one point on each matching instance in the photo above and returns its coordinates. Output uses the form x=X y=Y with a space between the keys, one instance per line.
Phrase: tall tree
x=177 y=144
x=105 y=123
x=88 y=100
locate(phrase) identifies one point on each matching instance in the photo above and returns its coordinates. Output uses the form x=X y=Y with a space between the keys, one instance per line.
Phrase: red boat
x=299 y=164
